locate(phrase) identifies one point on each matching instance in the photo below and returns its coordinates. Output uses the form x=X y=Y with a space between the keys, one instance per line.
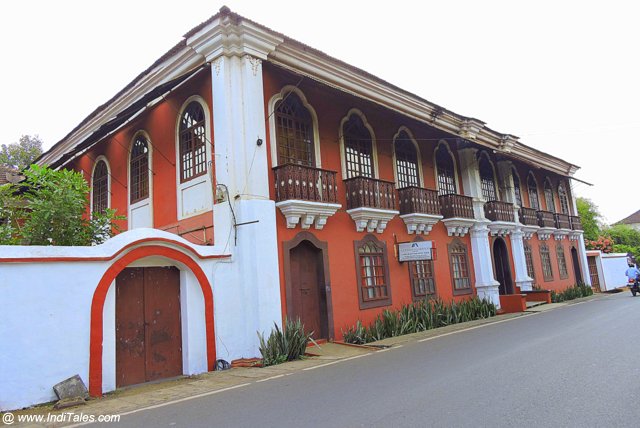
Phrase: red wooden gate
x=148 y=327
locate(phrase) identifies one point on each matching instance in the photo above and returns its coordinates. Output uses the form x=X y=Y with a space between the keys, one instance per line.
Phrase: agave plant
x=283 y=345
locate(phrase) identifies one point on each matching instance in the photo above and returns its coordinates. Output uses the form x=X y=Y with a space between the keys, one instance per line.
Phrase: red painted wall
x=340 y=232
x=160 y=124
x=331 y=107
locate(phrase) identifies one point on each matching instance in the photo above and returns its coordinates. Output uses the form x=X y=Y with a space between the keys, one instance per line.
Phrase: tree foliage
x=625 y=239
x=21 y=154
x=49 y=208
x=590 y=218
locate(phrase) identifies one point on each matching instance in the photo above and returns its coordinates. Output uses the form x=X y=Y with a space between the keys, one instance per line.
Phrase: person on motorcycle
x=633 y=273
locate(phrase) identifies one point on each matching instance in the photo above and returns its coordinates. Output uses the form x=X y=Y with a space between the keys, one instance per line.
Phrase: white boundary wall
x=45 y=323
x=611 y=268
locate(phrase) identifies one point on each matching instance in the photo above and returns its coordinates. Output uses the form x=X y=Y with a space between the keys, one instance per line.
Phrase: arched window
x=528 y=257
x=545 y=258
x=516 y=187
x=100 y=186
x=193 y=143
x=372 y=272
x=139 y=169
x=422 y=277
x=446 y=171
x=564 y=199
x=562 y=262
x=358 y=148
x=487 y=178
x=406 y=161
x=459 y=263
x=532 y=188
x=294 y=132
x=548 y=196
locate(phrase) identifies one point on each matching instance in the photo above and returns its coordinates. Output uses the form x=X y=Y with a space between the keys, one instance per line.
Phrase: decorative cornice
x=228 y=36
x=420 y=223
x=311 y=213
x=371 y=218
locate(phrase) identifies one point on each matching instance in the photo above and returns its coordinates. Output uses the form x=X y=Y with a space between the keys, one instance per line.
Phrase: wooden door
x=309 y=295
x=502 y=268
x=593 y=272
x=148 y=327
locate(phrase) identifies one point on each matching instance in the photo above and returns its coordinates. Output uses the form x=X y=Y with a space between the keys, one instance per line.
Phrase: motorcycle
x=634 y=286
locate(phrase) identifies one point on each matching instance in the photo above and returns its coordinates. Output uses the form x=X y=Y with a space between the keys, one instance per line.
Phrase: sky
x=564 y=76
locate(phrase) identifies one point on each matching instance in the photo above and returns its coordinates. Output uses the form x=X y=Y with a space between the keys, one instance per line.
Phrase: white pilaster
x=519 y=261
x=486 y=285
x=252 y=285
x=470 y=172
x=505 y=180
x=582 y=252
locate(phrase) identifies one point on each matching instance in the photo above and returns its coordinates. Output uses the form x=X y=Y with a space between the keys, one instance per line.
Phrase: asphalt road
x=574 y=366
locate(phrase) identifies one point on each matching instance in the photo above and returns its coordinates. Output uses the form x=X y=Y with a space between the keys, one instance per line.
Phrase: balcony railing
x=528 y=216
x=562 y=221
x=499 y=211
x=576 y=224
x=305 y=183
x=456 y=206
x=545 y=219
x=418 y=200
x=371 y=193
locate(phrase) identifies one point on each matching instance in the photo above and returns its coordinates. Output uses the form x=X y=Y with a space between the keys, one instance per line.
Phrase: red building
x=243 y=138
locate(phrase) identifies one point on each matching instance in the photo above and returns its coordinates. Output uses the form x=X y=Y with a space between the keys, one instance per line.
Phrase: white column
x=251 y=286
x=505 y=179
x=486 y=285
x=582 y=252
x=519 y=261
x=470 y=173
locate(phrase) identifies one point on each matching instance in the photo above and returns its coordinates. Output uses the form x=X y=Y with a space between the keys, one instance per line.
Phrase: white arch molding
x=195 y=196
x=140 y=213
x=374 y=147
x=272 y=123
x=93 y=170
x=455 y=164
x=418 y=155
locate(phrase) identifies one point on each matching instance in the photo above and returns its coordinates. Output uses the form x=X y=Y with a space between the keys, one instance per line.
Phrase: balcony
x=563 y=226
x=547 y=223
x=419 y=209
x=528 y=218
x=371 y=203
x=576 y=228
x=576 y=224
x=502 y=218
x=457 y=211
x=305 y=195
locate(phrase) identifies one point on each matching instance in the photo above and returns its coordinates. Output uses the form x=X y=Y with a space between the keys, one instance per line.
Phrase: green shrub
x=575 y=292
x=283 y=345
x=419 y=316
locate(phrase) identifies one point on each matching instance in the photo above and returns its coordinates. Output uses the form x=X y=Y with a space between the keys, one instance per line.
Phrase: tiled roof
x=632 y=219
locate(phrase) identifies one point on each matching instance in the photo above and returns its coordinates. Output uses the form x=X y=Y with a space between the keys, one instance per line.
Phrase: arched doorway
x=307 y=288
x=501 y=266
x=148 y=325
x=576 y=265
x=100 y=295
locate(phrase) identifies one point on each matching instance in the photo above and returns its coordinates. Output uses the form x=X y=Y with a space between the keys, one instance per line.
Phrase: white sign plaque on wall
x=412 y=251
